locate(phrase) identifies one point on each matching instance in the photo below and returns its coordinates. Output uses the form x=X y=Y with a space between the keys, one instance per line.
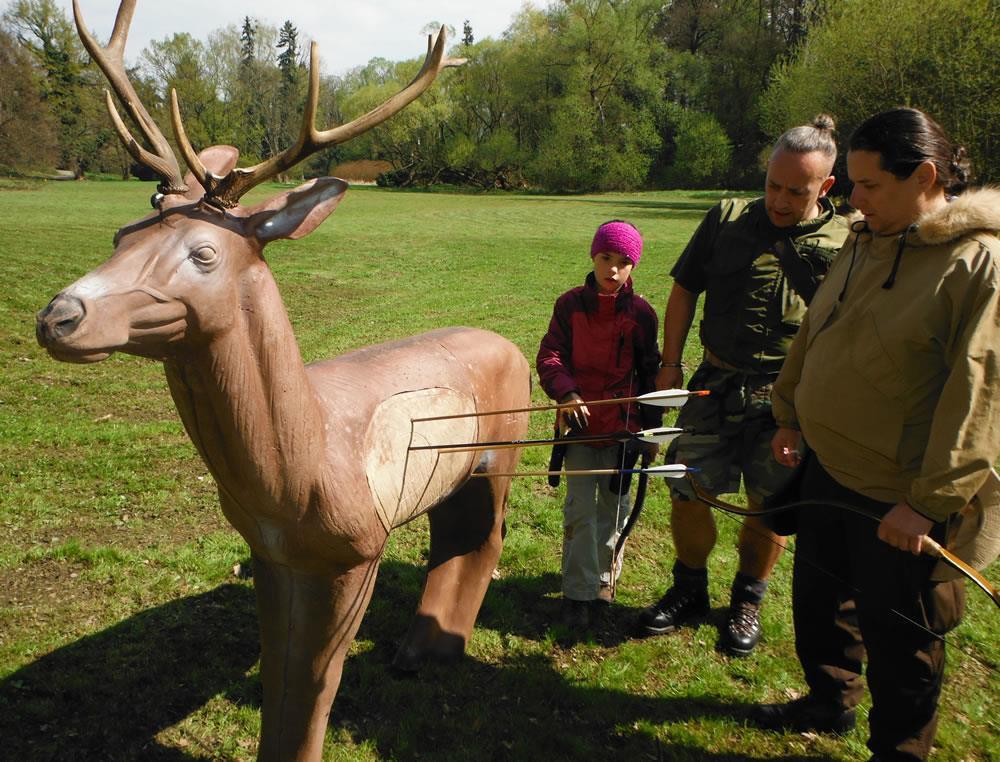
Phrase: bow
x=928 y=545
x=633 y=517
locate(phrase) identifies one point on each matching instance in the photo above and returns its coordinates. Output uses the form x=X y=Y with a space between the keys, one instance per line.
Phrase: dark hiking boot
x=678 y=607
x=804 y=715
x=742 y=630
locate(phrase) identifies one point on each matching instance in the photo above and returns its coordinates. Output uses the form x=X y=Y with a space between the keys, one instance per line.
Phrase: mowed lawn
x=124 y=633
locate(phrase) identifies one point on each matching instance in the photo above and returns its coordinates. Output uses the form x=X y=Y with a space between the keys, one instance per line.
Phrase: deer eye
x=204 y=256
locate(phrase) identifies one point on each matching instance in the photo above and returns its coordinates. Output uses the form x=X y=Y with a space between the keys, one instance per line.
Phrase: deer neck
x=250 y=409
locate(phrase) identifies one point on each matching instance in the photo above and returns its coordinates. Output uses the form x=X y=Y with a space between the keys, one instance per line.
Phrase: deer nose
x=60 y=318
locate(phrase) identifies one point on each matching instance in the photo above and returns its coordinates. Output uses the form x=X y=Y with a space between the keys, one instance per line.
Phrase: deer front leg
x=307 y=624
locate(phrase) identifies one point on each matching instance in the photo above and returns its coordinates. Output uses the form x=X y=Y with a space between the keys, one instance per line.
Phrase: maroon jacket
x=602 y=346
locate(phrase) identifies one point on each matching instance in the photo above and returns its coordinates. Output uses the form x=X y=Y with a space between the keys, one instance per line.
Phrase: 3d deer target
x=311 y=461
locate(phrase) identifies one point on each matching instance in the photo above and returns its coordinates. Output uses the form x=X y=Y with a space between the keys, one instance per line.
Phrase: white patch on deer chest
x=404 y=483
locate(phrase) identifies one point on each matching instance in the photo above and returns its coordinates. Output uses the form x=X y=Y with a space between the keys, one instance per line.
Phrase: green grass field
x=124 y=633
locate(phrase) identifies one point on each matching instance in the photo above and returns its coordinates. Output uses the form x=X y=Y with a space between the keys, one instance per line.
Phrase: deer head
x=177 y=276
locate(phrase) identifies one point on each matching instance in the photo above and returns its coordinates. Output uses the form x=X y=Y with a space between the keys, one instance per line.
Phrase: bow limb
x=928 y=545
x=933 y=548
x=722 y=505
x=633 y=517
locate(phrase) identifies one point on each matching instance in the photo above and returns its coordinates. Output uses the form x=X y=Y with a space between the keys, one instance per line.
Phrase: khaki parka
x=894 y=377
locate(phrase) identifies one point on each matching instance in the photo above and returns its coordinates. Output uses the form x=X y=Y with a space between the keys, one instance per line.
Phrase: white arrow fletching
x=669 y=471
x=660 y=435
x=669 y=397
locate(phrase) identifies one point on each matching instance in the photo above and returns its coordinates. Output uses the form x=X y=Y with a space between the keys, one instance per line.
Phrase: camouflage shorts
x=730 y=436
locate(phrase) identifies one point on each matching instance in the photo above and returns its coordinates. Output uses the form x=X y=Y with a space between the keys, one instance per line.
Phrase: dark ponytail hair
x=905 y=138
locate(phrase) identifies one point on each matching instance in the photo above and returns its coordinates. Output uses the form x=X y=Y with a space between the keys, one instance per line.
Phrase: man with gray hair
x=758 y=263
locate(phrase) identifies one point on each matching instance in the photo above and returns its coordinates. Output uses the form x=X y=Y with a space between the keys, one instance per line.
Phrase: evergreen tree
x=289 y=58
x=248 y=39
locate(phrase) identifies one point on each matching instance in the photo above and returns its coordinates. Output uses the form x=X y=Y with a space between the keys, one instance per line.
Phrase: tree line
x=578 y=95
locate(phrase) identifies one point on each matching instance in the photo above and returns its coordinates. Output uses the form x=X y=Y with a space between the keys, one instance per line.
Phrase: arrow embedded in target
x=664 y=398
x=659 y=435
x=669 y=471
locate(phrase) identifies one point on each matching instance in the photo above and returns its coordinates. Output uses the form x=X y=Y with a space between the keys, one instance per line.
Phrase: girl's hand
x=785 y=447
x=576 y=414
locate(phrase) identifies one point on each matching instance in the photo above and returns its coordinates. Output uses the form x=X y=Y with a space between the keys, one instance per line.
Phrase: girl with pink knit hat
x=601 y=344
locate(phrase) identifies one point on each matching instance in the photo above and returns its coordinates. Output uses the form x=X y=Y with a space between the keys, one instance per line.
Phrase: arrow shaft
x=510 y=443
x=654 y=471
x=649 y=399
x=588 y=472
x=532 y=408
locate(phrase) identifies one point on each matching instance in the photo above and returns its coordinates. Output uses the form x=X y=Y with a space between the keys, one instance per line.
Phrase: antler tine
x=226 y=191
x=433 y=63
x=209 y=181
x=111 y=61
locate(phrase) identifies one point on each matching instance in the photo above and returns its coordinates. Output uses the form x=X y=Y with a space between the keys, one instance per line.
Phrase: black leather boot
x=680 y=606
x=742 y=629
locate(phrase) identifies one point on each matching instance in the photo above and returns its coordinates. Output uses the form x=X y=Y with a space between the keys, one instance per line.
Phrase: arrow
x=665 y=398
x=659 y=435
x=670 y=471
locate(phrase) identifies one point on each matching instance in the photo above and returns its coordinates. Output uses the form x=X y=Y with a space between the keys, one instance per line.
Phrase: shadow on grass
x=647 y=208
x=108 y=695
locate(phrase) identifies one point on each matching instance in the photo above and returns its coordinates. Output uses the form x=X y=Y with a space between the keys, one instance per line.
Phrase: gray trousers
x=593 y=517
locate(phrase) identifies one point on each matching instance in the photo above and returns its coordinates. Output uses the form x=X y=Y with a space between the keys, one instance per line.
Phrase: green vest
x=757 y=279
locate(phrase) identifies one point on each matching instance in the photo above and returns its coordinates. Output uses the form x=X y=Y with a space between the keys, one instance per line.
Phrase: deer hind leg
x=307 y=624
x=466 y=540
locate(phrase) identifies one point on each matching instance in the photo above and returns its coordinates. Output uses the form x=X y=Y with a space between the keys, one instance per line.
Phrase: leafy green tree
x=701 y=150
x=592 y=83
x=28 y=128
x=180 y=63
x=864 y=58
x=242 y=62
x=414 y=140
x=485 y=146
x=723 y=52
x=45 y=32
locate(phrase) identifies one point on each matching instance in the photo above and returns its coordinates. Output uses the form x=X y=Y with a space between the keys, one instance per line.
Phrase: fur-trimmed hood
x=975 y=211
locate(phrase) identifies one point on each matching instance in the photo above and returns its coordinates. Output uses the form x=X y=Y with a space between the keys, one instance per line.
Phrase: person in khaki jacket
x=892 y=381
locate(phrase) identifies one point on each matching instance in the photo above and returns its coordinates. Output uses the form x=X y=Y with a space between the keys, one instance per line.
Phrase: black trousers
x=853 y=595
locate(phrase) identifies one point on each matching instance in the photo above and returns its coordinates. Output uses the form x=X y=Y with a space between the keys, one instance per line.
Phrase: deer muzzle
x=60 y=318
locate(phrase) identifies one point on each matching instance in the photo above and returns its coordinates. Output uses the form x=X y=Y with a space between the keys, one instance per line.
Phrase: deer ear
x=298 y=212
x=219 y=160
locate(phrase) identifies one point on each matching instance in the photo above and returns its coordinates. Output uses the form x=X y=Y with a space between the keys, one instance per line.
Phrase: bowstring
x=612 y=577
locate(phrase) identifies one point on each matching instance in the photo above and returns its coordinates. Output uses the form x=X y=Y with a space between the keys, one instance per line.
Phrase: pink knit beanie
x=619 y=237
